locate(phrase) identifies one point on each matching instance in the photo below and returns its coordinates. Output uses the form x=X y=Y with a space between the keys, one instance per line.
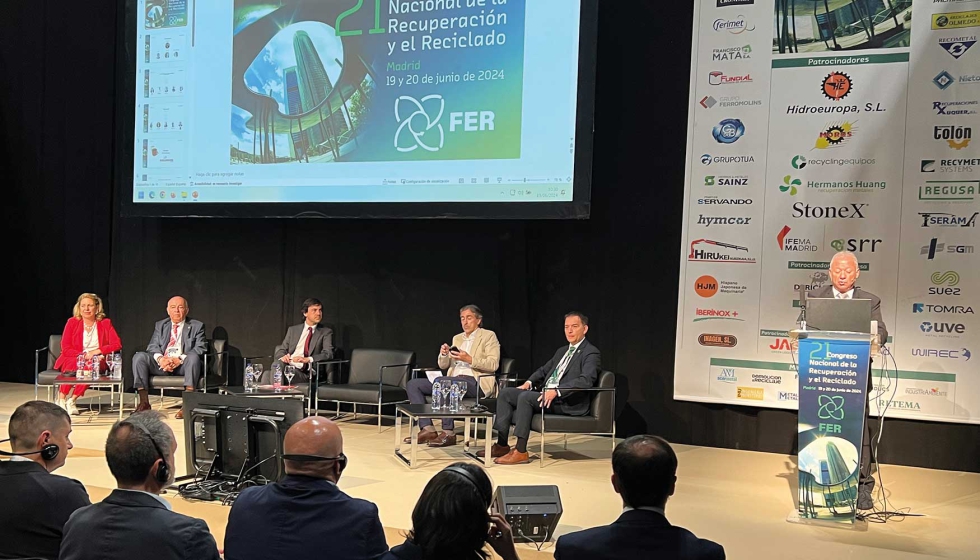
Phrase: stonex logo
x=946 y=219
x=956 y=136
x=849 y=211
x=795 y=244
x=942 y=309
x=716 y=314
x=709 y=250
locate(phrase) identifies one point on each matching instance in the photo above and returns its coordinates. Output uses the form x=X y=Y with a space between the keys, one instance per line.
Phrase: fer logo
x=420 y=127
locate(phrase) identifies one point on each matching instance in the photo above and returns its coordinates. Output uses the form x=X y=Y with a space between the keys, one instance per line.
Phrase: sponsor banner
x=806 y=140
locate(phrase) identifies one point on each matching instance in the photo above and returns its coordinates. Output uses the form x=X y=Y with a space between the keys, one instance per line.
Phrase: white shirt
x=461 y=367
x=178 y=348
x=90 y=338
x=301 y=345
x=646 y=508
x=563 y=364
x=849 y=294
x=155 y=496
x=20 y=458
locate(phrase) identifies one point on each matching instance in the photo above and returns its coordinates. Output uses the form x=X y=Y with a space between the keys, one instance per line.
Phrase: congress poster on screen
x=846 y=127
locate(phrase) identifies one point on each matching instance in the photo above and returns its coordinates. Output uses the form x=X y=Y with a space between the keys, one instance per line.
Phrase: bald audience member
x=35 y=503
x=305 y=515
x=645 y=475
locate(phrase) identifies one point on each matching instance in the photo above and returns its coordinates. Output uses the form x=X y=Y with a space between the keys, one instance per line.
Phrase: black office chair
x=600 y=421
x=46 y=378
x=376 y=377
x=215 y=371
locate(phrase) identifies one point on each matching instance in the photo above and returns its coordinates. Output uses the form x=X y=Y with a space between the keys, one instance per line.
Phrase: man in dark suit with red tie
x=575 y=366
x=306 y=343
x=645 y=475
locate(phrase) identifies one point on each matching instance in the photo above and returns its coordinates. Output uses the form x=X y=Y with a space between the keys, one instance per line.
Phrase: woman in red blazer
x=89 y=333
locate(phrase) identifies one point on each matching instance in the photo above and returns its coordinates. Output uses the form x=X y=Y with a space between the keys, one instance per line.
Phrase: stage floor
x=740 y=499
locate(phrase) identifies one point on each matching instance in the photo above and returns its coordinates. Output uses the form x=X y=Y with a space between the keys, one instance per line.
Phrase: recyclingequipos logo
x=416 y=122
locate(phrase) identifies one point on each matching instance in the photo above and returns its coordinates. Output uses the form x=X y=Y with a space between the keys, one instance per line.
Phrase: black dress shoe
x=443 y=440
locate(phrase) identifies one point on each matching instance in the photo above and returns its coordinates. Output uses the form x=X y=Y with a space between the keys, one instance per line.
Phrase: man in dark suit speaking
x=177 y=347
x=305 y=515
x=575 y=366
x=645 y=476
x=306 y=343
x=844 y=272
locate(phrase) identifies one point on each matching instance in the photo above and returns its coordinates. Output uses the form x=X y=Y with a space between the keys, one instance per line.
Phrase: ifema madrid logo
x=415 y=123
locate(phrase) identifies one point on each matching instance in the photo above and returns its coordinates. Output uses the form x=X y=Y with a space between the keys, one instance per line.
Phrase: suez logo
x=420 y=123
x=945 y=284
x=708 y=159
x=945 y=219
x=718 y=340
x=936 y=248
x=942 y=309
x=956 y=20
x=707 y=286
x=728 y=101
x=728 y=131
x=956 y=136
x=936 y=329
x=961 y=354
x=709 y=250
x=835 y=86
x=955 y=108
x=949 y=191
x=719 y=78
x=963 y=165
x=726 y=180
x=735 y=26
x=957 y=46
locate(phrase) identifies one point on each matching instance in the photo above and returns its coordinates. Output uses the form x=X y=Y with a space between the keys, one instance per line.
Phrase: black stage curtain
x=395 y=284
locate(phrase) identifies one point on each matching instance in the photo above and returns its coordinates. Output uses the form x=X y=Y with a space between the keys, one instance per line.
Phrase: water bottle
x=454 y=398
x=277 y=378
x=436 y=396
x=80 y=365
x=96 y=365
x=249 y=381
x=117 y=368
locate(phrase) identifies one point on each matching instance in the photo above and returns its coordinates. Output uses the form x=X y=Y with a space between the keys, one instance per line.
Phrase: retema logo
x=942 y=309
x=931 y=328
x=420 y=123
x=946 y=282
x=957 y=137
x=961 y=354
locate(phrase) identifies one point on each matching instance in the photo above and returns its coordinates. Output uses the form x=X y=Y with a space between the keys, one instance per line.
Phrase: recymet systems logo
x=416 y=122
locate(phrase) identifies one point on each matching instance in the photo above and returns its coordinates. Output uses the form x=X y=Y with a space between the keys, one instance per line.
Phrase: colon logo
x=416 y=122
x=836 y=86
x=957 y=46
x=790 y=184
x=835 y=135
x=956 y=136
x=728 y=131
x=706 y=286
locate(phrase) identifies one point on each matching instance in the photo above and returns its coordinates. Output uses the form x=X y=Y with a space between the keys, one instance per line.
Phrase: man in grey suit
x=177 y=347
x=306 y=343
x=844 y=272
x=575 y=366
x=134 y=521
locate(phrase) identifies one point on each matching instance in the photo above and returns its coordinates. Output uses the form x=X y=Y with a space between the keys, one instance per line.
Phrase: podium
x=833 y=369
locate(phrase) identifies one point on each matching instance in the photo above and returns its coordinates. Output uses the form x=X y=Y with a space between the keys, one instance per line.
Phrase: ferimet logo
x=834 y=135
x=958 y=137
x=735 y=26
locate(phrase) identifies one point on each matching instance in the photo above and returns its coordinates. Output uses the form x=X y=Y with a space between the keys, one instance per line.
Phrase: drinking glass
x=110 y=360
x=446 y=389
x=257 y=373
x=249 y=378
x=290 y=373
x=277 y=378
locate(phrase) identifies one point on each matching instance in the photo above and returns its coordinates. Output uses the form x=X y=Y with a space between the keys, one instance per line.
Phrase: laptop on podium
x=831 y=314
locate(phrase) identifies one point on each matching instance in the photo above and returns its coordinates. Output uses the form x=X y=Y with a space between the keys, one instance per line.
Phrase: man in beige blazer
x=474 y=352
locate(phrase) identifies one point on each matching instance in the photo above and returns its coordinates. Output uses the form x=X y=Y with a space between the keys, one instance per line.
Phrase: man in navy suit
x=177 y=347
x=644 y=474
x=305 y=515
x=575 y=366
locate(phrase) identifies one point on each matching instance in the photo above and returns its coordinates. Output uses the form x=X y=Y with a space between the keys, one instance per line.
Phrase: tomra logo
x=416 y=121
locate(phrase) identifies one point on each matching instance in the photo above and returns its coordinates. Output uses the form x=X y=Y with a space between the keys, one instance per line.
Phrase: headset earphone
x=300 y=458
x=472 y=480
x=48 y=451
x=163 y=471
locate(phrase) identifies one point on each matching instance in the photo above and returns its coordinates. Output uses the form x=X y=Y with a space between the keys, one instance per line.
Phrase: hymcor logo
x=417 y=122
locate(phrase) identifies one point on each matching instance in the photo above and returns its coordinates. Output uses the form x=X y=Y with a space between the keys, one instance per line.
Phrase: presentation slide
x=355 y=101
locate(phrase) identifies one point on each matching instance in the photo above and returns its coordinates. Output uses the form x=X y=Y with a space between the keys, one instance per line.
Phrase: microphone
x=802 y=317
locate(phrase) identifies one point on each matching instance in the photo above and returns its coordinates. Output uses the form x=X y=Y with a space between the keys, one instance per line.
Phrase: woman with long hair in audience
x=90 y=333
x=452 y=520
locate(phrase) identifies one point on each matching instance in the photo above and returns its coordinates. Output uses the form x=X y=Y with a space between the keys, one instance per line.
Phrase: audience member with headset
x=305 y=511
x=645 y=475
x=134 y=521
x=35 y=503
x=451 y=520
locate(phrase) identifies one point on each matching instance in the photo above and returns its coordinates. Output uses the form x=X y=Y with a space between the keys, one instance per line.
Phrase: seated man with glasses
x=305 y=511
